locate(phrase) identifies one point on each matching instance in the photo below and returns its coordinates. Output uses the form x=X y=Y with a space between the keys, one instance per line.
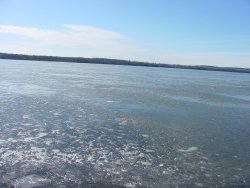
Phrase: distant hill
x=116 y=62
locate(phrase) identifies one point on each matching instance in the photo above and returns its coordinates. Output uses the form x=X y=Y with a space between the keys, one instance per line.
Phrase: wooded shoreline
x=117 y=62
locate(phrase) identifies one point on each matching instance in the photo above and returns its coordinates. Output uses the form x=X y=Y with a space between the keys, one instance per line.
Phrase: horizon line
x=77 y=59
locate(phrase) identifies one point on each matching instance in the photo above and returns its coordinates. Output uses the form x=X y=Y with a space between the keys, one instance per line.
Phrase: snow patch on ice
x=190 y=149
x=41 y=135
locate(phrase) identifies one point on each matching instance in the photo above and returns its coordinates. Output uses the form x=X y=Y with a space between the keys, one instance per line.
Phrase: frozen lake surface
x=68 y=124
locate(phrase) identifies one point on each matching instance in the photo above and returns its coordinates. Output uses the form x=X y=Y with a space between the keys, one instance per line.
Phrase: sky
x=187 y=32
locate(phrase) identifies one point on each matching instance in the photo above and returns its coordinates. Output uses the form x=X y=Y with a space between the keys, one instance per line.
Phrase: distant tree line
x=116 y=62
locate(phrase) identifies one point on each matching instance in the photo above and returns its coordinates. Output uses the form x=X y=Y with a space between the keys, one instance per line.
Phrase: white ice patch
x=29 y=139
x=26 y=124
x=56 y=151
x=41 y=135
x=145 y=135
x=110 y=101
x=55 y=131
x=21 y=134
x=190 y=149
x=149 y=151
x=11 y=140
x=48 y=142
x=26 y=116
x=56 y=114
x=130 y=185
x=122 y=121
x=146 y=163
x=31 y=181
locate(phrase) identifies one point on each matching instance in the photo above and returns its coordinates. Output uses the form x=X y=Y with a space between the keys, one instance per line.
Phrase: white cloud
x=89 y=41
x=73 y=40
x=71 y=35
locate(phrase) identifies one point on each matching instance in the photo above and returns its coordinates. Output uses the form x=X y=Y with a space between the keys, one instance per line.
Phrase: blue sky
x=196 y=32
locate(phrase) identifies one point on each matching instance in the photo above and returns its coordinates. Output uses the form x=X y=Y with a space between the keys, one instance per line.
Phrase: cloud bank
x=89 y=41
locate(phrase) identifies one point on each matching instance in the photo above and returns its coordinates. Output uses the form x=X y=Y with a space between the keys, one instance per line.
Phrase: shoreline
x=117 y=62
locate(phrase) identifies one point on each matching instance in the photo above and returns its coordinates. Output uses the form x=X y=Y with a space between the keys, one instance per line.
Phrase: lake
x=69 y=124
